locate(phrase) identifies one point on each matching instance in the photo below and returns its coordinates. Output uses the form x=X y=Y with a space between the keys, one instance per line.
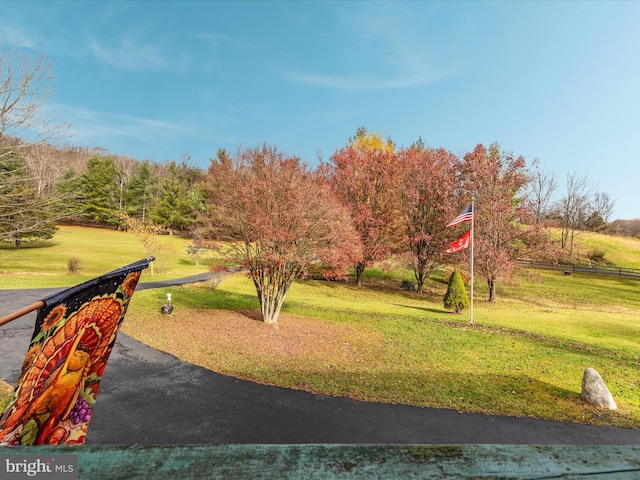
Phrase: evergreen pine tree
x=24 y=214
x=178 y=198
x=100 y=191
x=141 y=192
x=456 y=298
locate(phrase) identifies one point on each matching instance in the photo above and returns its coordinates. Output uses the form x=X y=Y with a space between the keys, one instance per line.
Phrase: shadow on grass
x=492 y=394
x=204 y=299
x=424 y=309
x=543 y=342
x=373 y=287
x=27 y=245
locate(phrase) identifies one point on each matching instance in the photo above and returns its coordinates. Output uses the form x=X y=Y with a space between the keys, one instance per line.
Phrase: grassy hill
x=620 y=251
x=525 y=355
x=45 y=263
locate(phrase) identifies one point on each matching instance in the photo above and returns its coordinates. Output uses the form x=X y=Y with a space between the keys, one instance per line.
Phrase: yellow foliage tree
x=146 y=232
x=374 y=141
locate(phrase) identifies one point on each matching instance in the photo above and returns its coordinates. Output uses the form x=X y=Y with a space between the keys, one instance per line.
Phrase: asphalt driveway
x=151 y=397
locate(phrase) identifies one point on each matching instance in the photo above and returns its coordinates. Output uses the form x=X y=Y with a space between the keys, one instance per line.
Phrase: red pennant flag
x=73 y=336
x=460 y=244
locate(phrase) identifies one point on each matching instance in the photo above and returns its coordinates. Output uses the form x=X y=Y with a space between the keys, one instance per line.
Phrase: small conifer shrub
x=456 y=298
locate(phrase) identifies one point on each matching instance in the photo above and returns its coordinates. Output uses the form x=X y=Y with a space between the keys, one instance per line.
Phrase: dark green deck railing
x=310 y=462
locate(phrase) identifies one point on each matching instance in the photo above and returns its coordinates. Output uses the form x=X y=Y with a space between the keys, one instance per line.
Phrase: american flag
x=465 y=216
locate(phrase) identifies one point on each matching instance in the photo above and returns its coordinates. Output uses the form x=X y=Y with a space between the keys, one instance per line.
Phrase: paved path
x=151 y=397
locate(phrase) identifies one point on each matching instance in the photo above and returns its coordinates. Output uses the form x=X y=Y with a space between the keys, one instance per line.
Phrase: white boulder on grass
x=595 y=392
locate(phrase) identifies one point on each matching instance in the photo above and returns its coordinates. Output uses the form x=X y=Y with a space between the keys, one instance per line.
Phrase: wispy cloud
x=368 y=81
x=17 y=37
x=130 y=54
x=96 y=128
x=126 y=53
x=388 y=49
x=212 y=39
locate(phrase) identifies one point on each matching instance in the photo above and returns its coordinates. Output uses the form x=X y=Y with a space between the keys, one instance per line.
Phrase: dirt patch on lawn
x=234 y=342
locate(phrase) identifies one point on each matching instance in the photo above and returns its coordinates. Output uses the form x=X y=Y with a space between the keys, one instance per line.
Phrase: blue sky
x=556 y=81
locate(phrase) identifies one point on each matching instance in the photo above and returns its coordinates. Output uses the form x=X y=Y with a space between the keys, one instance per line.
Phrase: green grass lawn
x=619 y=251
x=525 y=355
x=622 y=251
x=44 y=263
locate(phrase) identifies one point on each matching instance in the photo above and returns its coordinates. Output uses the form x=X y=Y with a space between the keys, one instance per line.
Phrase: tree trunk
x=492 y=289
x=272 y=286
x=270 y=308
x=419 y=250
x=564 y=234
x=419 y=275
x=359 y=272
x=571 y=244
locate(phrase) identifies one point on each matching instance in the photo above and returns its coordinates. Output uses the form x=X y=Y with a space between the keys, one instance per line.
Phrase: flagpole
x=473 y=213
x=18 y=313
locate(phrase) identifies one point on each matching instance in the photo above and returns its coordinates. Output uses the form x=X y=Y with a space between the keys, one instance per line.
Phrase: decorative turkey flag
x=74 y=333
x=460 y=244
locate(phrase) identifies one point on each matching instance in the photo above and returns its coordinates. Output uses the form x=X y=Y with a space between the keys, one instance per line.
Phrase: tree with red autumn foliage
x=505 y=229
x=427 y=203
x=365 y=175
x=275 y=218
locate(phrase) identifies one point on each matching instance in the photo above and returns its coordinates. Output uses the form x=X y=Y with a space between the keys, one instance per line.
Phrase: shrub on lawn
x=216 y=274
x=456 y=298
x=408 y=285
x=74 y=265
